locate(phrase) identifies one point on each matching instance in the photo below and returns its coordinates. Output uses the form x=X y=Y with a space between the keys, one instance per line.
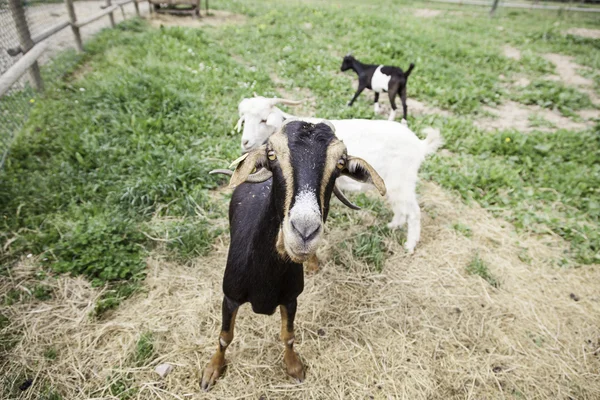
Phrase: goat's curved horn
x=287 y=102
x=255 y=95
x=260 y=176
x=221 y=171
x=338 y=193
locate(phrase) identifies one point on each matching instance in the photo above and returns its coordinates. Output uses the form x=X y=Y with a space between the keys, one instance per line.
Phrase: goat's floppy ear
x=360 y=170
x=246 y=164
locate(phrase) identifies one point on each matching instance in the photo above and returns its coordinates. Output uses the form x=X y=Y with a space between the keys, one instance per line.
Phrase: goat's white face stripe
x=380 y=81
x=305 y=207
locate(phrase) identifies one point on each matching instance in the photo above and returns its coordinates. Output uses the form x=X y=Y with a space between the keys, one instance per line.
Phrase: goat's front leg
x=292 y=361
x=214 y=368
x=360 y=89
x=376 y=103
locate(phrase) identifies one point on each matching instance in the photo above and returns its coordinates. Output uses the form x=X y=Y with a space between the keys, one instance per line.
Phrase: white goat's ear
x=360 y=170
x=247 y=164
x=275 y=119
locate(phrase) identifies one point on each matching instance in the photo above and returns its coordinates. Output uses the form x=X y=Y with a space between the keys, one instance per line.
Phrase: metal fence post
x=75 y=28
x=18 y=14
x=111 y=15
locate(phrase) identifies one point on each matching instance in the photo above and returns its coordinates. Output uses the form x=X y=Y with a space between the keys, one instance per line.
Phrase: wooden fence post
x=494 y=6
x=137 y=7
x=18 y=14
x=111 y=15
x=74 y=27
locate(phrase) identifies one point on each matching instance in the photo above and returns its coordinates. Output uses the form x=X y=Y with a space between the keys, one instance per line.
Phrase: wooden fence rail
x=33 y=47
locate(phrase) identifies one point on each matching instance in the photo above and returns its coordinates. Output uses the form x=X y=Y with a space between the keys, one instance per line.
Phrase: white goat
x=390 y=147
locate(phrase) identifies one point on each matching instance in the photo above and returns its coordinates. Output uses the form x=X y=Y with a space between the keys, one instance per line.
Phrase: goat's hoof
x=410 y=249
x=403 y=122
x=212 y=372
x=293 y=366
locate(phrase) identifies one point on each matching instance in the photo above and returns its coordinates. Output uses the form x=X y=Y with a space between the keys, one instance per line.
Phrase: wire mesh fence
x=25 y=23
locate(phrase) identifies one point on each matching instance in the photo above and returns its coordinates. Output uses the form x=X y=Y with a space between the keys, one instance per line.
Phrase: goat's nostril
x=245 y=142
x=306 y=231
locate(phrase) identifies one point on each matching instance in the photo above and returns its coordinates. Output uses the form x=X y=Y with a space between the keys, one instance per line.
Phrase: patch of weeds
x=462 y=229
x=553 y=95
x=121 y=386
x=114 y=296
x=144 y=350
x=190 y=239
x=104 y=247
x=50 y=353
x=478 y=267
x=42 y=292
x=370 y=247
x=537 y=121
x=4 y=321
x=13 y=296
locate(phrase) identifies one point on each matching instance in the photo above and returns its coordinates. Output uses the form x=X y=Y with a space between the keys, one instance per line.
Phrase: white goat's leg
x=399 y=206
x=414 y=226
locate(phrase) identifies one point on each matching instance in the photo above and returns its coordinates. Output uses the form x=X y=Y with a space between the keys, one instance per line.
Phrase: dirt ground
x=420 y=329
x=43 y=17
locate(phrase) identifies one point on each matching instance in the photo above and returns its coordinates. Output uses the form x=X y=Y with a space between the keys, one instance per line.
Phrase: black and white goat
x=276 y=218
x=380 y=78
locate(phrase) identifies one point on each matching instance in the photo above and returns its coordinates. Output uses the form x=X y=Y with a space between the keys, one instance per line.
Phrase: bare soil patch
x=511 y=52
x=567 y=69
x=512 y=115
x=215 y=18
x=584 y=32
x=426 y=13
x=420 y=329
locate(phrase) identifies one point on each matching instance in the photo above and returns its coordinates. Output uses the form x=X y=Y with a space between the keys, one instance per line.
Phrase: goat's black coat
x=255 y=272
x=365 y=72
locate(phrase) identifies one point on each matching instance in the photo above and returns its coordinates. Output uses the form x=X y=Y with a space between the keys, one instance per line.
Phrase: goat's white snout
x=304 y=227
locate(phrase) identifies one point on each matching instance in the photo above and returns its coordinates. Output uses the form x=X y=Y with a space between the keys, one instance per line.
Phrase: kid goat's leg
x=376 y=103
x=393 y=92
x=214 y=368
x=403 y=99
x=292 y=361
x=361 y=87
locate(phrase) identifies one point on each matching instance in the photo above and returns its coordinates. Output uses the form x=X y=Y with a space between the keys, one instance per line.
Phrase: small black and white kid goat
x=380 y=78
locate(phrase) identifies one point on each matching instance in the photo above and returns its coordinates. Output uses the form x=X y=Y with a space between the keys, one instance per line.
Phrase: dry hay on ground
x=214 y=18
x=584 y=32
x=420 y=329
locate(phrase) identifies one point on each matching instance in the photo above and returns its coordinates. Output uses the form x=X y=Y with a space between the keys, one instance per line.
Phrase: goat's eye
x=271 y=155
x=263 y=121
x=341 y=163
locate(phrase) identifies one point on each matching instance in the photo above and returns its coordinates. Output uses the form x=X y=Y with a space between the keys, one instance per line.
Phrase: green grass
x=113 y=165
x=478 y=267
x=144 y=351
